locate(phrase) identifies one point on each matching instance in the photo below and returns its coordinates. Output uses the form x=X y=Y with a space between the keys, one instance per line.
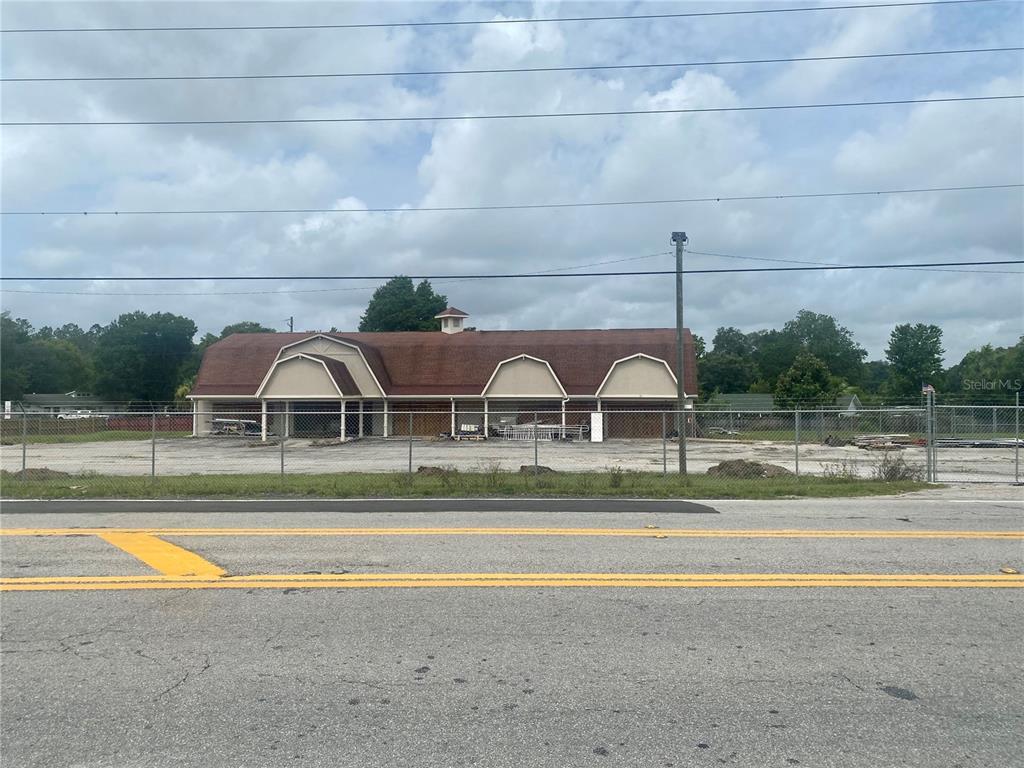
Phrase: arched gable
x=345 y=352
x=524 y=377
x=639 y=376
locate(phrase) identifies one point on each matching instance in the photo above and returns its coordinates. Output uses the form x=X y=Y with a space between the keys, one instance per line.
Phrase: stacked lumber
x=891 y=442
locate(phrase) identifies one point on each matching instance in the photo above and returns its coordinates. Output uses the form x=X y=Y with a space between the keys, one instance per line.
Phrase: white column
x=563 y=412
x=263 y=420
x=287 y=419
x=487 y=420
x=343 y=421
x=385 y=418
x=453 y=417
x=195 y=418
x=361 y=418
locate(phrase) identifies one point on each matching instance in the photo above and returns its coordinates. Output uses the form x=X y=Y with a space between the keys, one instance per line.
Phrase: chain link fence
x=941 y=443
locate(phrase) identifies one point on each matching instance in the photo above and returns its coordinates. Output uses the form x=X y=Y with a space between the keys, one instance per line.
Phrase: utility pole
x=679 y=239
x=291 y=325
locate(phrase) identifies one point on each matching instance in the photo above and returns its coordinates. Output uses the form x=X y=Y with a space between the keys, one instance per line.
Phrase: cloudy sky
x=498 y=162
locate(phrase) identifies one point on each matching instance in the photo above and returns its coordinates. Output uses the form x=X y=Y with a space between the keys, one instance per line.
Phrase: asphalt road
x=252 y=645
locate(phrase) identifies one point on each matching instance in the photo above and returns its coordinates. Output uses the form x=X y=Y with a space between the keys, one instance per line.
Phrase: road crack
x=184 y=678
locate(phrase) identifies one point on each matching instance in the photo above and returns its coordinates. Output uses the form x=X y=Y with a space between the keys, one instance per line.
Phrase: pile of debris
x=891 y=442
x=958 y=442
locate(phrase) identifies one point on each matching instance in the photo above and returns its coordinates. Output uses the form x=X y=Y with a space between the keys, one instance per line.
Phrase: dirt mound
x=742 y=468
x=529 y=469
x=434 y=471
x=37 y=473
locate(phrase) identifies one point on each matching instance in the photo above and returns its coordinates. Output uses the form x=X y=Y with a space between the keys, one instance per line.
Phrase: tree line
x=154 y=358
x=814 y=359
x=137 y=357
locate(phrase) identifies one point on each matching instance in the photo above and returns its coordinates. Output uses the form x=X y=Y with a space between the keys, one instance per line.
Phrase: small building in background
x=73 y=402
x=742 y=401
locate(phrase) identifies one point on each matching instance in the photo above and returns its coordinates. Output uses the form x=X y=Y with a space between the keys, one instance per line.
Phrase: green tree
x=142 y=357
x=808 y=381
x=915 y=358
x=14 y=338
x=245 y=326
x=830 y=342
x=399 y=306
x=774 y=352
x=732 y=341
x=726 y=372
x=83 y=340
x=699 y=347
x=991 y=370
x=876 y=375
x=54 y=365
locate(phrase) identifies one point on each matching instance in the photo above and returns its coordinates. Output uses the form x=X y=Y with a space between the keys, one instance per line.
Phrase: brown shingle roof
x=451 y=312
x=341 y=375
x=434 y=363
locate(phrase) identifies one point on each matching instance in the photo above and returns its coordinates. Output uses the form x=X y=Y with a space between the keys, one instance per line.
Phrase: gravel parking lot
x=223 y=455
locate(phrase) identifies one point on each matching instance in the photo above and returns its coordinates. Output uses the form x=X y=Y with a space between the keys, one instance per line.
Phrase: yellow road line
x=407 y=580
x=163 y=556
x=699 y=533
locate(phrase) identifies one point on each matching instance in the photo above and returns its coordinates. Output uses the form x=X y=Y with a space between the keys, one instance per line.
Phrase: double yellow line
x=652 y=531
x=179 y=568
x=410 y=580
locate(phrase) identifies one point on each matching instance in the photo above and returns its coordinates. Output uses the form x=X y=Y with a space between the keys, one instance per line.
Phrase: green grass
x=89 y=437
x=480 y=484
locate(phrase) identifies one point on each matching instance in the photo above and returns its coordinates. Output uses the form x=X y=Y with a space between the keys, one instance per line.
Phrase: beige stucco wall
x=300 y=378
x=523 y=378
x=348 y=355
x=639 y=377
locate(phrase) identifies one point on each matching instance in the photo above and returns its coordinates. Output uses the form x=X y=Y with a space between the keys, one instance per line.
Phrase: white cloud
x=519 y=161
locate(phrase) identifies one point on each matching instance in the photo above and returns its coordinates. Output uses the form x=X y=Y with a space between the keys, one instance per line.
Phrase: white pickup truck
x=77 y=415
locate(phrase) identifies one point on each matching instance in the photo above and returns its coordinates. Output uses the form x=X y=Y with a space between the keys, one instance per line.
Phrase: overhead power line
x=502 y=276
x=459 y=23
x=309 y=290
x=824 y=263
x=512 y=70
x=289 y=291
x=519 y=116
x=516 y=207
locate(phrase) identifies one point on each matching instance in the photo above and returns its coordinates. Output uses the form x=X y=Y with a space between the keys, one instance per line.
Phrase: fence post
x=927 y=446
x=664 y=445
x=821 y=423
x=536 y=425
x=152 y=446
x=410 y=443
x=995 y=430
x=1016 y=440
x=284 y=436
x=24 y=442
x=796 y=441
x=932 y=448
